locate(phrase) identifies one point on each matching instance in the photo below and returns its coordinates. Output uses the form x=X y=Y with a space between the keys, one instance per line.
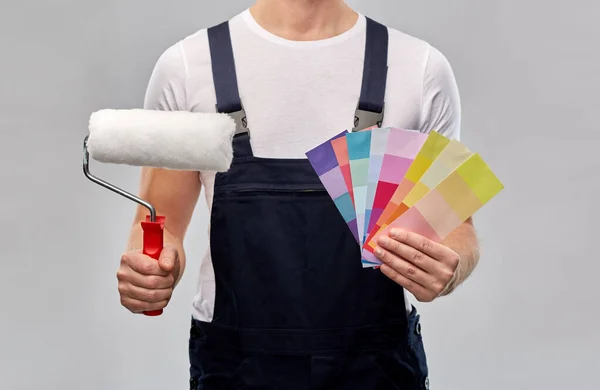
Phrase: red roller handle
x=153 y=245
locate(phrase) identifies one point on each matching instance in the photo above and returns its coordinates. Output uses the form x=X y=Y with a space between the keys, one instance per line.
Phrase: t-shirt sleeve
x=166 y=87
x=441 y=108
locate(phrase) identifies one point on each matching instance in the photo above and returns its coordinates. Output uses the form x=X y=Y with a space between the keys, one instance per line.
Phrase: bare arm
x=174 y=194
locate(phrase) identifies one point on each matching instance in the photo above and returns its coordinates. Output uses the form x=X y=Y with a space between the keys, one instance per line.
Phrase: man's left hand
x=420 y=265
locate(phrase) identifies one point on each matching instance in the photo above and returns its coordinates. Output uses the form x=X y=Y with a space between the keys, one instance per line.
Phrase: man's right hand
x=146 y=284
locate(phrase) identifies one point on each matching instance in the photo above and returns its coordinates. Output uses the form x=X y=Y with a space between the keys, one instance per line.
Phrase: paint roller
x=174 y=140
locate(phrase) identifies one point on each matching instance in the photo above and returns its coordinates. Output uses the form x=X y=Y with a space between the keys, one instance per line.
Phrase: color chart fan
x=381 y=178
x=456 y=198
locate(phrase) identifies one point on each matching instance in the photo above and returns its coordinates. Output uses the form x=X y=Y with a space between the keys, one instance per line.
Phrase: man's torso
x=298 y=94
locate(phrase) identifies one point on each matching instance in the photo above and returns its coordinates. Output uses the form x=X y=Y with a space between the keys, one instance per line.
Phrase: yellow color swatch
x=478 y=175
x=430 y=150
x=469 y=187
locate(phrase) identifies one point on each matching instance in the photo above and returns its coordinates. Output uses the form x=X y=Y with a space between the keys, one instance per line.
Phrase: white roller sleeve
x=178 y=140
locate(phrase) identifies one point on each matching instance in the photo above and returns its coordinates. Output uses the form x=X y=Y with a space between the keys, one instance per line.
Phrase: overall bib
x=294 y=309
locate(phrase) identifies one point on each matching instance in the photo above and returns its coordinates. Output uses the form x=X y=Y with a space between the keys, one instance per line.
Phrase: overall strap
x=372 y=96
x=224 y=75
x=226 y=86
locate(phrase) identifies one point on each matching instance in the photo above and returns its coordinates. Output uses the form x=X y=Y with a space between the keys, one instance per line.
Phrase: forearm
x=463 y=241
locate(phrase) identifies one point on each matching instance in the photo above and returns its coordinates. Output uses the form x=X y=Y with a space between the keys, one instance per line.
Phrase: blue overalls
x=294 y=309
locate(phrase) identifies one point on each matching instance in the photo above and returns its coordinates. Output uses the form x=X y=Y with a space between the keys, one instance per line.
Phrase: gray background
x=527 y=72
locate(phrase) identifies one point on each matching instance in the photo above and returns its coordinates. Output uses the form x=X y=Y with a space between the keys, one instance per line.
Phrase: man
x=283 y=302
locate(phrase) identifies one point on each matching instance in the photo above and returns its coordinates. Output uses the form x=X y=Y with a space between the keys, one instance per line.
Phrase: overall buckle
x=364 y=119
x=241 y=122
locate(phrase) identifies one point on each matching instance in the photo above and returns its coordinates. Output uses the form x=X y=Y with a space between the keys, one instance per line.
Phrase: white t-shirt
x=299 y=93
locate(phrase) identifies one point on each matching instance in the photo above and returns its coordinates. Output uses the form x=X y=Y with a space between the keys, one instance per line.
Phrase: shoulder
x=185 y=56
x=406 y=49
x=190 y=56
x=171 y=62
x=427 y=76
x=182 y=74
x=176 y=61
x=195 y=48
x=169 y=84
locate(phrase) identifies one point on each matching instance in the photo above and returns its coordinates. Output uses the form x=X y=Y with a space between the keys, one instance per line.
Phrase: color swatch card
x=450 y=158
x=340 y=148
x=323 y=160
x=359 y=150
x=379 y=146
x=443 y=209
x=433 y=145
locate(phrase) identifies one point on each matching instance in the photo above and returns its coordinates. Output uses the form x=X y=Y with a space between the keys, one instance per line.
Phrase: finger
x=415 y=289
x=429 y=247
x=168 y=258
x=152 y=282
x=136 y=306
x=143 y=264
x=410 y=254
x=144 y=294
x=404 y=268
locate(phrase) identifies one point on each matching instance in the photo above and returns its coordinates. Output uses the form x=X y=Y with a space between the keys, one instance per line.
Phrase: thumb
x=168 y=258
